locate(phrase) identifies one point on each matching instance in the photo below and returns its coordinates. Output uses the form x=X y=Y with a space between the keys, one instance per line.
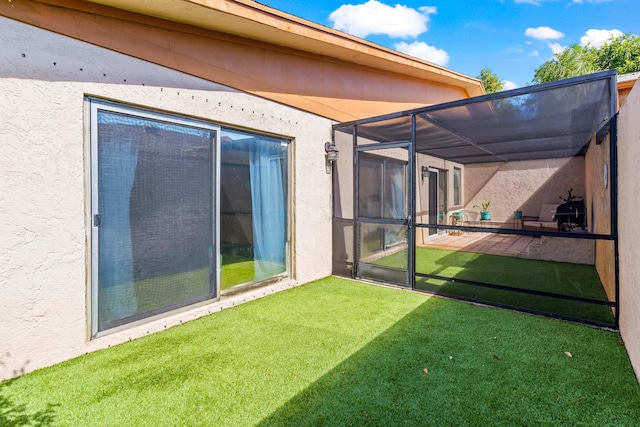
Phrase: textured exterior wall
x=598 y=200
x=560 y=249
x=422 y=192
x=44 y=186
x=524 y=185
x=325 y=85
x=598 y=203
x=628 y=206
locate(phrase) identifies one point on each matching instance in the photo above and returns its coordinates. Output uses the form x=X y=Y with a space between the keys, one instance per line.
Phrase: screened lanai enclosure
x=507 y=199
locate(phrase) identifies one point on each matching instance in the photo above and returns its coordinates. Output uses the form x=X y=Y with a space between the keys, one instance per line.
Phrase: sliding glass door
x=154 y=213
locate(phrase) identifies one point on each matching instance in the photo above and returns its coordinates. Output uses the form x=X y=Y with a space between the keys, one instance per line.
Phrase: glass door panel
x=153 y=214
x=382 y=230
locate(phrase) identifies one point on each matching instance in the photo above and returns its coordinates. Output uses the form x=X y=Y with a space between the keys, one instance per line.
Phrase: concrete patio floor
x=485 y=243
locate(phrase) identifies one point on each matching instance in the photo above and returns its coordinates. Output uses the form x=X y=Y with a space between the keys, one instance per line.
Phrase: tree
x=490 y=80
x=574 y=61
x=621 y=53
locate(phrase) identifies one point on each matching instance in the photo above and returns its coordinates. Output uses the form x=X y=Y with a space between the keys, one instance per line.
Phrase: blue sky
x=512 y=37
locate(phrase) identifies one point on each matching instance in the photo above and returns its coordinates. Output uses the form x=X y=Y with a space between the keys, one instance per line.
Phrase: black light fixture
x=331 y=155
x=424 y=172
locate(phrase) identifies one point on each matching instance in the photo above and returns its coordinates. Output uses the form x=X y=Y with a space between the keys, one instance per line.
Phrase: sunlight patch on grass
x=342 y=352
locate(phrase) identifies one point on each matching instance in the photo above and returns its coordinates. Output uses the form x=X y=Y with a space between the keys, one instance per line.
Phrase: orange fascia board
x=249 y=19
x=324 y=85
x=625 y=83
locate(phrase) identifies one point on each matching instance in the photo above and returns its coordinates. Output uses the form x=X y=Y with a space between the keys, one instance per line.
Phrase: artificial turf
x=561 y=278
x=339 y=352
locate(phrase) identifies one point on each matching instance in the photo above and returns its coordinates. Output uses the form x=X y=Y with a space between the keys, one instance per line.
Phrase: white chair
x=546 y=218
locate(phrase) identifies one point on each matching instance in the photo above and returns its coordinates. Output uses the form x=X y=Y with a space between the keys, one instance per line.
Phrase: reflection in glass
x=253 y=199
x=155 y=204
x=383 y=252
x=382 y=187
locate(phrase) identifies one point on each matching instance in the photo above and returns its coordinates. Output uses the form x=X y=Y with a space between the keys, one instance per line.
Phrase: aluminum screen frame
x=556 y=120
x=533 y=122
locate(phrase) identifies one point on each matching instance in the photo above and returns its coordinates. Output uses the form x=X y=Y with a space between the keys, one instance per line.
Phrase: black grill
x=570 y=215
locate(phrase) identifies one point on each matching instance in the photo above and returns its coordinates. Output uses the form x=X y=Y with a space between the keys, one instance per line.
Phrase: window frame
x=288 y=273
x=93 y=105
x=457 y=190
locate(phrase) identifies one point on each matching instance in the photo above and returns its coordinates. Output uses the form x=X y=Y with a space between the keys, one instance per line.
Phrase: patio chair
x=546 y=218
x=458 y=218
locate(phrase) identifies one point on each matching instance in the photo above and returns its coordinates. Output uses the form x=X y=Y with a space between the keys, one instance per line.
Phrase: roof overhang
x=627 y=81
x=246 y=18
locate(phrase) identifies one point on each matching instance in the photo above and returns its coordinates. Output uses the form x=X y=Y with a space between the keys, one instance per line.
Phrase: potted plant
x=485 y=215
x=570 y=198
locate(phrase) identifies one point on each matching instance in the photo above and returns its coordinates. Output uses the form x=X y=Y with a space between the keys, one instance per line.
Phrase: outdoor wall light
x=424 y=172
x=330 y=156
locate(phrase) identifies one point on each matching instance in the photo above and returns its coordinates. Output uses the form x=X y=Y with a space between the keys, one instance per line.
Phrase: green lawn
x=562 y=278
x=338 y=352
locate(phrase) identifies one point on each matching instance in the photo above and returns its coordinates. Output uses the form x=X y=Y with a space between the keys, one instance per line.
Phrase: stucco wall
x=422 y=191
x=326 y=85
x=598 y=215
x=598 y=200
x=44 y=187
x=628 y=205
x=524 y=185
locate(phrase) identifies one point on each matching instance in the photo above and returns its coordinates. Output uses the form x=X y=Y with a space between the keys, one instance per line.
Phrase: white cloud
x=598 y=37
x=533 y=2
x=556 y=47
x=423 y=51
x=543 y=33
x=508 y=85
x=374 y=17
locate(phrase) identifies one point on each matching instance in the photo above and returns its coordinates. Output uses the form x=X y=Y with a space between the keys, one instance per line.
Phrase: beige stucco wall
x=342 y=80
x=598 y=200
x=598 y=215
x=44 y=186
x=524 y=185
x=422 y=191
x=629 y=234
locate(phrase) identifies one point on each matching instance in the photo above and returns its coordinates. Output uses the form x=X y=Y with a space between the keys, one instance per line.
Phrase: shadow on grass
x=13 y=415
x=572 y=280
x=560 y=278
x=448 y=363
